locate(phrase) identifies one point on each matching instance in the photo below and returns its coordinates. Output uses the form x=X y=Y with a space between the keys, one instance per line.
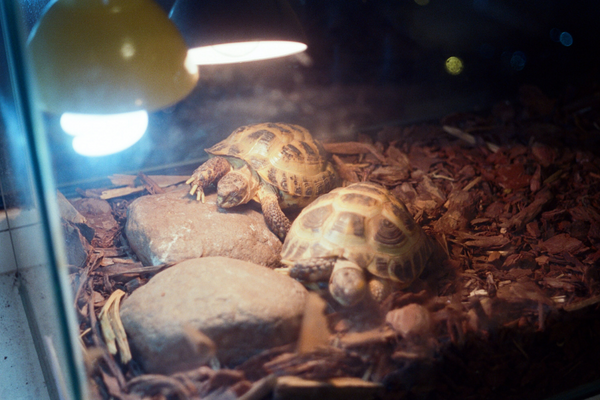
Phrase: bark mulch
x=513 y=198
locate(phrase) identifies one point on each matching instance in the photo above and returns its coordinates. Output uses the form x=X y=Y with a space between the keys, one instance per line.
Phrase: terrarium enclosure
x=473 y=246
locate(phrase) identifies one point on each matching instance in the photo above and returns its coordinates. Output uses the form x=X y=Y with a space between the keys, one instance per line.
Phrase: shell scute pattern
x=365 y=224
x=284 y=155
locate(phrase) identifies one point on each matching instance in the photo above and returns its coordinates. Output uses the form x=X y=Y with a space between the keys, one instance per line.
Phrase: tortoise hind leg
x=209 y=172
x=274 y=217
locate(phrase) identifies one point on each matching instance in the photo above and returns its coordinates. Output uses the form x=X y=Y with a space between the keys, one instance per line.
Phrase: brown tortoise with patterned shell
x=279 y=165
x=362 y=239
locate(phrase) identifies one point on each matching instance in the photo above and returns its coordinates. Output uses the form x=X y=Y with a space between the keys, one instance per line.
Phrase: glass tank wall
x=429 y=99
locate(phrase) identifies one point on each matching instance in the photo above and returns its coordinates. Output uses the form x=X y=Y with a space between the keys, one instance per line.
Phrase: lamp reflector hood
x=220 y=31
x=104 y=57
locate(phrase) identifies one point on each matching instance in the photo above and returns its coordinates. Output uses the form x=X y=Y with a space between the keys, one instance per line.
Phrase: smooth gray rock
x=243 y=307
x=173 y=227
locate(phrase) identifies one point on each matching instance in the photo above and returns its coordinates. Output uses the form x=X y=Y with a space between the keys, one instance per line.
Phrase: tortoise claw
x=209 y=172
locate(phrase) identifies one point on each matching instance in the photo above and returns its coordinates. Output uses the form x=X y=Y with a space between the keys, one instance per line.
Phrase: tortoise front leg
x=312 y=269
x=209 y=172
x=274 y=217
x=380 y=288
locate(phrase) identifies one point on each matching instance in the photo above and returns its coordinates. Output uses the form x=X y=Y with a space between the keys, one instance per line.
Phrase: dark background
x=369 y=64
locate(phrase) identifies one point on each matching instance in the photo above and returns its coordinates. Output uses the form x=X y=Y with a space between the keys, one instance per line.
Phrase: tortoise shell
x=284 y=155
x=363 y=223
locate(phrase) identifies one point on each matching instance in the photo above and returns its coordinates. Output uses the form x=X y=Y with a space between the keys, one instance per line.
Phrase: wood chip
x=375 y=336
x=561 y=243
x=347 y=388
x=353 y=148
x=314 y=332
x=527 y=214
x=487 y=242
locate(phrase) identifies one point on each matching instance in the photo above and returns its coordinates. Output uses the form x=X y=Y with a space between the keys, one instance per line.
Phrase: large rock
x=173 y=227
x=243 y=307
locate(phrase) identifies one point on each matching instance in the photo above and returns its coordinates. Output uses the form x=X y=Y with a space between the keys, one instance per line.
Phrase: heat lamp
x=102 y=65
x=223 y=32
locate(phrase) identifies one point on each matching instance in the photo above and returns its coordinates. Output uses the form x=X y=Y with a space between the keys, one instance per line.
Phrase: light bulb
x=228 y=53
x=100 y=135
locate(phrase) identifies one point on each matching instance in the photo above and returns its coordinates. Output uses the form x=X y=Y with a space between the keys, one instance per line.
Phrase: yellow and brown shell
x=363 y=223
x=284 y=155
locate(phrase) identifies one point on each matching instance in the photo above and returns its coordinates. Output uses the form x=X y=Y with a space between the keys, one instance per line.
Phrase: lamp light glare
x=566 y=39
x=228 y=53
x=100 y=135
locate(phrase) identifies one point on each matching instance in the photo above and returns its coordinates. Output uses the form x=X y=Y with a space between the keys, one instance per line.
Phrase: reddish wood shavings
x=512 y=312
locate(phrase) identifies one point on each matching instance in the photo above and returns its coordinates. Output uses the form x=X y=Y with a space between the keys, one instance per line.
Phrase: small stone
x=412 y=320
x=99 y=217
x=242 y=307
x=77 y=247
x=174 y=226
x=67 y=211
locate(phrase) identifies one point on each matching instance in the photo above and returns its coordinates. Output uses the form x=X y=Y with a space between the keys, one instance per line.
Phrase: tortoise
x=362 y=239
x=277 y=164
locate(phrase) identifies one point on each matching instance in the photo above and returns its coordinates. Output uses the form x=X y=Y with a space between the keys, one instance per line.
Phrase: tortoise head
x=237 y=187
x=347 y=283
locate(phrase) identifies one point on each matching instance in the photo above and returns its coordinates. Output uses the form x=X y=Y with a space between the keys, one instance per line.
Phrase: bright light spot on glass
x=518 y=60
x=127 y=50
x=561 y=37
x=100 y=135
x=454 y=65
x=566 y=39
x=244 y=51
x=422 y=2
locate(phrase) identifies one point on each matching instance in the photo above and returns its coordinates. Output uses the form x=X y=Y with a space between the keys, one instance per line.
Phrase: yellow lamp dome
x=105 y=57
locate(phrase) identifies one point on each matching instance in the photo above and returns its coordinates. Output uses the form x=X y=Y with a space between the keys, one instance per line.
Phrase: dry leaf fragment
x=112 y=327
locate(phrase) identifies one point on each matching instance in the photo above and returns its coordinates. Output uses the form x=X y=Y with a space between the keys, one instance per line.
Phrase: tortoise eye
x=388 y=234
